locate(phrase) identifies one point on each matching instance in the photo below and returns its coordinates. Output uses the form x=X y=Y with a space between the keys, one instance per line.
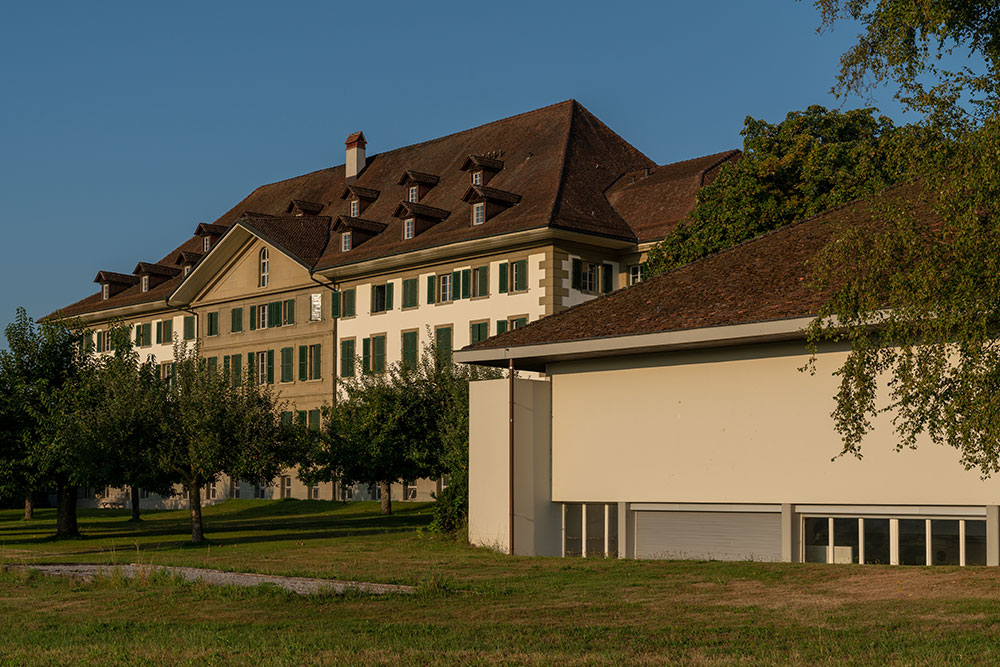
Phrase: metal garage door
x=708 y=535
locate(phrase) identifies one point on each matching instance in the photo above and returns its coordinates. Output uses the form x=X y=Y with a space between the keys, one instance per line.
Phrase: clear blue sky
x=123 y=125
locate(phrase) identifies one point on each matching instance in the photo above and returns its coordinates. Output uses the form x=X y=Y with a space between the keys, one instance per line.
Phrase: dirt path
x=300 y=585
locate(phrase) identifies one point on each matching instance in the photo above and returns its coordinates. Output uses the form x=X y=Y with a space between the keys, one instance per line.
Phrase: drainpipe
x=510 y=376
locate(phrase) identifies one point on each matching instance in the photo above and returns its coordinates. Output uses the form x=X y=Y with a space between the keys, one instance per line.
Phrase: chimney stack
x=355 y=156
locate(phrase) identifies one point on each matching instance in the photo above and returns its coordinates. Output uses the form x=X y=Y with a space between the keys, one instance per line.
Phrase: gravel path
x=301 y=585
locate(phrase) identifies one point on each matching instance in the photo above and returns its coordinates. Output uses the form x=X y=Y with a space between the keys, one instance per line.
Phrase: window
x=144 y=283
x=410 y=297
x=213 y=364
x=349 y=305
x=442 y=344
x=235 y=488
x=287 y=372
x=478 y=331
x=237 y=367
x=409 y=490
x=237 y=321
x=189 y=327
x=286 y=486
x=381 y=298
x=262 y=315
x=636 y=273
x=408 y=228
x=265 y=263
x=409 y=345
x=144 y=334
x=206 y=243
x=345 y=241
x=446 y=287
x=105 y=291
x=512 y=323
x=310 y=362
x=373 y=354
x=519 y=275
x=101 y=341
x=355 y=208
x=481 y=281
x=213 y=324
x=591 y=277
x=313 y=493
x=314 y=420
x=210 y=491
x=431 y=288
x=478 y=213
x=413 y=194
x=187 y=270
x=144 y=494
x=346 y=492
x=477 y=178
x=289 y=312
x=347 y=358
x=588 y=277
x=260 y=491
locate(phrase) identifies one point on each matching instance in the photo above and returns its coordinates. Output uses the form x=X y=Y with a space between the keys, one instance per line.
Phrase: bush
x=451 y=511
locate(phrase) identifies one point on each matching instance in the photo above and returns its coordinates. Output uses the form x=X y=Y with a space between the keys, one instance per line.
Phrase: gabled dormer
x=417 y=184
x=358 y=199
x=298 y=207
x=209 y=234
x=482 y=168
x=114 y=283
x=186 y=261
x=352 y=232
x=487 y=202
x=418 y=218
x=151 y=275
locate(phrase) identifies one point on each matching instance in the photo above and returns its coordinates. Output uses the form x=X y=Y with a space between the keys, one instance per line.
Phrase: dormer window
x=144 y=283
x=477 y=177
x=265 y=262
x=355 y=208
x=187 y=270
x=105 y=291
x=409 y=228
x=479 y=213
x=206 y=244
x=345 y=241
x=413 y=195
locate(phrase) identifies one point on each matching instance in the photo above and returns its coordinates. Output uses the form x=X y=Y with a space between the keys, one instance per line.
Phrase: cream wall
x=575 y=296
x=739 y=425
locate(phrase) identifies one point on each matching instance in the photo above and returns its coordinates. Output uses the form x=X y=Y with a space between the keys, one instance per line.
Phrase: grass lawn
x=473 y=605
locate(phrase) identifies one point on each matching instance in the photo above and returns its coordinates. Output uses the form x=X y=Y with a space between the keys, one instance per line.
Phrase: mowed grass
x=473 y=605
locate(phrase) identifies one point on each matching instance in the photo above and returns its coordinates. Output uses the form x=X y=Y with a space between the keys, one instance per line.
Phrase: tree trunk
x=197 y=530
x=29 y=507
x=135 y=503
x=66 y=511
x=386 y=497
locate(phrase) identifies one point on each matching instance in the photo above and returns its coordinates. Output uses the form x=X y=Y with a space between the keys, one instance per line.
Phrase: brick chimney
x=355 y=156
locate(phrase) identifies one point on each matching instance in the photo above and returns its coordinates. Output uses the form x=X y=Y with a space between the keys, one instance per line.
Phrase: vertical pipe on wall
x=510 y=494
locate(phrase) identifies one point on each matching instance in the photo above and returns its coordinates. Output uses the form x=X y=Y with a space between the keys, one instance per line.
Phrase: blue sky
x=123 y=125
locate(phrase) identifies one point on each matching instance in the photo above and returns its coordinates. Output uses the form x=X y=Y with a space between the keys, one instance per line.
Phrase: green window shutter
x=366 y=355
x=466 y=283
x=314 y=420
x=442 y=343
x=287 y=418
x=100 y=341
x=431 y=288
x=409 y=293
x=606 y=278
x=274 y=314
x=270 y=366
x=225 y=364
x=519 y=322
x=349 y=304
x=482 y=281
x=286 y=364
x=372 y=294
x=168 y=332
x=159 y=333
x=138 y=335
x=347 y=358
x=577 y=274
x=378 y=356
x=237 y=369
x=388 y=296
x=456 y=285
x=410 y=349
x=189 y=327
x=253 y=318
x=303 y=362
x=213 y=324
x=290 y=311
x=147 y=333
x=317 y=361
x=251 y=366
x=521 y=275
x=300 y=417
x=213 y=364
x=335 y=304
x=501 y=326
x=503 y=275
x=237 y=320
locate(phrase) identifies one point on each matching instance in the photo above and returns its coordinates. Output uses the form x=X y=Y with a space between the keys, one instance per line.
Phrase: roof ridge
x=722 y=159
x=562 y=165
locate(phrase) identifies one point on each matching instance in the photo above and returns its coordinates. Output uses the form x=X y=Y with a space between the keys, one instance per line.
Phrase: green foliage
x=810 y=162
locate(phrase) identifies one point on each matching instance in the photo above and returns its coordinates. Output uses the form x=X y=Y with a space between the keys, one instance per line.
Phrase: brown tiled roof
x=368 y=194
x=207 y=228
x=654 y=202
x=116 y=278
x=355 y=137
x=188 y=257
x=408 y=209
x=155 y=270
x=410 y=176
x=767 y=278
x=483 y=162
x=492 y=194
x=302 y=237
x=311 y=208
x=370 y=226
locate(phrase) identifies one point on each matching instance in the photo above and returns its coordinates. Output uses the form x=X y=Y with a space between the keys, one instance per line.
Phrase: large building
x=674 y=421
x=357 y=266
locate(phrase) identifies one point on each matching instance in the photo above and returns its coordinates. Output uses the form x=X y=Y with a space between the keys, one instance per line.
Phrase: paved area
x=301 y=585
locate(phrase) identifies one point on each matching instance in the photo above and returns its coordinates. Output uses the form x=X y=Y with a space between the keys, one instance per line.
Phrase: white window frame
x=264 y=264
x=286 y=486
x=413 y=194
x=262 y=315
x=262 y=367
x=144 y=283
x=409 y=228
x=635 y=274
x=447 y=287
x=105 y=291
x=355 y=208
x=206 y=243
x=345 y=241
x=478 y=213
x=477 y=177
x=590 y=277
x=187 y=270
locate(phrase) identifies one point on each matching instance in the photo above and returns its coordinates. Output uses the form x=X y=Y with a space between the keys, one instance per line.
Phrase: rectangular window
x=315 y=362
x=518 y=322
x=381 y=298
x=287 y=372
x=314 y=420
x=378 y=354
x=147 y=334
x=481 y=281
x=289 y=311
x=478 y=213
x=213 y=364
x=588 y=279
x=636 y=273
x=262 y=367
x=409 y=344
x=519 y=277
x=479 y=331
x=100 y=341
x=236 y=361
x=236 y=325
x=477 y=178
x=286 y=486
x=189 y=327
x=466 y=277
x=912 y=542
x=345 y=241
x=501 y=326
x=145 y=283
x=442 y=344
x=159 y=333
x=347 y=358
x=335 y=303
x=446 y=282
x=303 y=362
x=213 y=324
x=349 y=306
x=253 y=318
x=355 y=208
x=262 y=317
x=410 y=296
x=409 y=228
x=414 y=193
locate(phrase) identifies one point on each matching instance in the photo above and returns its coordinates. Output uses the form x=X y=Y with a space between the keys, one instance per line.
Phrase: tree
x=810 y=162
x=221 y=425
